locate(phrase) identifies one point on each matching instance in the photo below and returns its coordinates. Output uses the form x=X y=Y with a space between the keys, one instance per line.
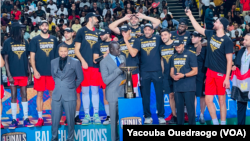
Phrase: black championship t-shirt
x=88 y=39
x=100 y=48
x=46 y=50
x=131 y=61
x=166 y=53
x=71 y=49
x=185 y=38
x=217 y=49
x=191 y=48
x=17 y=56
x=150 y=53
x=183 y=63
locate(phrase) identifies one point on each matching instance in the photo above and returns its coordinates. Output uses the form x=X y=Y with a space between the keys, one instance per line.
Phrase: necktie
x=117 y=61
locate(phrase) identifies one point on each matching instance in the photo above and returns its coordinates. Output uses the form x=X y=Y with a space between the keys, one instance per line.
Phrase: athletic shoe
x=40 y=122
x=86 y=120
x=173 y=120
x=26 y=123
x=201 y=119
x=161 y=120
x=1 y=126
x=148 y=120
x=169 y=117
x=14 y=124
x=96 y=119
x=65 y=122
x=107 y=121
x=78 y=120
x=186 y=117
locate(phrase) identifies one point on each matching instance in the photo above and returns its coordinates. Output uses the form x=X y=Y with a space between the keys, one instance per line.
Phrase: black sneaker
x=78 y=121
x=173 y=120
x=107 y=121
x=65 y=122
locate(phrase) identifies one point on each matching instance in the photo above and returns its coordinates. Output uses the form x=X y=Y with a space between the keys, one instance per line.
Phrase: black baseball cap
x=17 y=24
x=91 y=14
x=105 y=31
x=183 y=21
x=224 y=22
x=177 y=43
x=69 y=29
x=125 y=27
x=196 y=34
x=43 y=21
x=149 y=25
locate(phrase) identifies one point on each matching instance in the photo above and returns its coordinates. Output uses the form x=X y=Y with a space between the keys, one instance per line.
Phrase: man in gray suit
x=112 y=76
x=67 y=74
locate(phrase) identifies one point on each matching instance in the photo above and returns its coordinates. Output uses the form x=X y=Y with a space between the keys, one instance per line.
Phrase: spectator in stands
x=83 y=3
x=247 y=18
x=218 y=4
x=221 y=12
x=247 y=30
x=236 y=27
x=62 y=10
x=106 y=2
x=27 y=11
x=149 y=3
x=53 y=8
x=246 y=7
x=83 y=14
x=131 y=2
x=141 y=6
x=96 y=8
x=98 y=4
x=40 y=12
x=7 y=5
x=41 y=5
x=118 y=9
x=205 y=5
x=35 y=32
x=35 y=18
x=62 y=18
x=166 y=20
x=31 y=7
x=162 y=5
x=27 y=19
x=188 y=3
x=77 y=25
x=4 y=21
x=73 y=12
x=106 y=9
x=51 y=23
x=114 y=4
x=16 y=12
x=18 y=4
x=209 y=14
x=155 y=13
x=230 y=26
x=26 y=35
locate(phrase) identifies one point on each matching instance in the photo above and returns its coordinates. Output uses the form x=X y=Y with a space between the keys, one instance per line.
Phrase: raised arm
x=114 y=26
x=195 y=24
x=155 y=22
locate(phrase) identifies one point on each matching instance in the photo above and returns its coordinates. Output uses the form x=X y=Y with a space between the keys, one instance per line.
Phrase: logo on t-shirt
x=214 y=44
x=18 y=49
x=179 y=63
x=104 y=48
x=124 y=48
x=148 y=46
x=46 y=47
x=71 y=52
x=167 y=53
x=91 y=39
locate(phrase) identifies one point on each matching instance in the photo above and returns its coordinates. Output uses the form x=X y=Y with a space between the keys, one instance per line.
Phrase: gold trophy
x=129 y=90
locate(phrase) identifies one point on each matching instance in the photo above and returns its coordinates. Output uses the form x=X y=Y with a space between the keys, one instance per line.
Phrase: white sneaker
x=161 y=120
x=107 y=121
x=148 y=120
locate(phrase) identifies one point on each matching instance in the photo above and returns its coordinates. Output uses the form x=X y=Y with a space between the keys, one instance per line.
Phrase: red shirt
x=245 y=4
x=17 y=14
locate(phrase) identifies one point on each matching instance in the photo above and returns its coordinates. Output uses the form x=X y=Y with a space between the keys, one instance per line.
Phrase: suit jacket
x=237 y=61
x=112 y=77
x=66 y=82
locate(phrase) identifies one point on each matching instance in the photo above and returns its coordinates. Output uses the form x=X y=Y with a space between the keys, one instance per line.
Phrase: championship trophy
x=129 y=90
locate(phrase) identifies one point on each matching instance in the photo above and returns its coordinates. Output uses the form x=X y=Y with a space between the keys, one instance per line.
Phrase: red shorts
x=214 y=83
x=79 y=89
x=90 y=77
x=2 y=92
x=19 y=81
x=135 y=80
x=101 y=83
x=43 y=83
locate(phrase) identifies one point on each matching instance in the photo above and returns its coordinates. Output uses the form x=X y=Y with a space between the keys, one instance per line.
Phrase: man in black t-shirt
x=86 y=38
x=101 y=50
x=219 y=63
x=2 y=89
x=130 y=47
x=136 y=30
x=167 y=50
x=181 y=33
x=43 y=48
x=200 y=52
x=68 y=34
x=18 y=71
x=150 y=70
x=183 y=71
